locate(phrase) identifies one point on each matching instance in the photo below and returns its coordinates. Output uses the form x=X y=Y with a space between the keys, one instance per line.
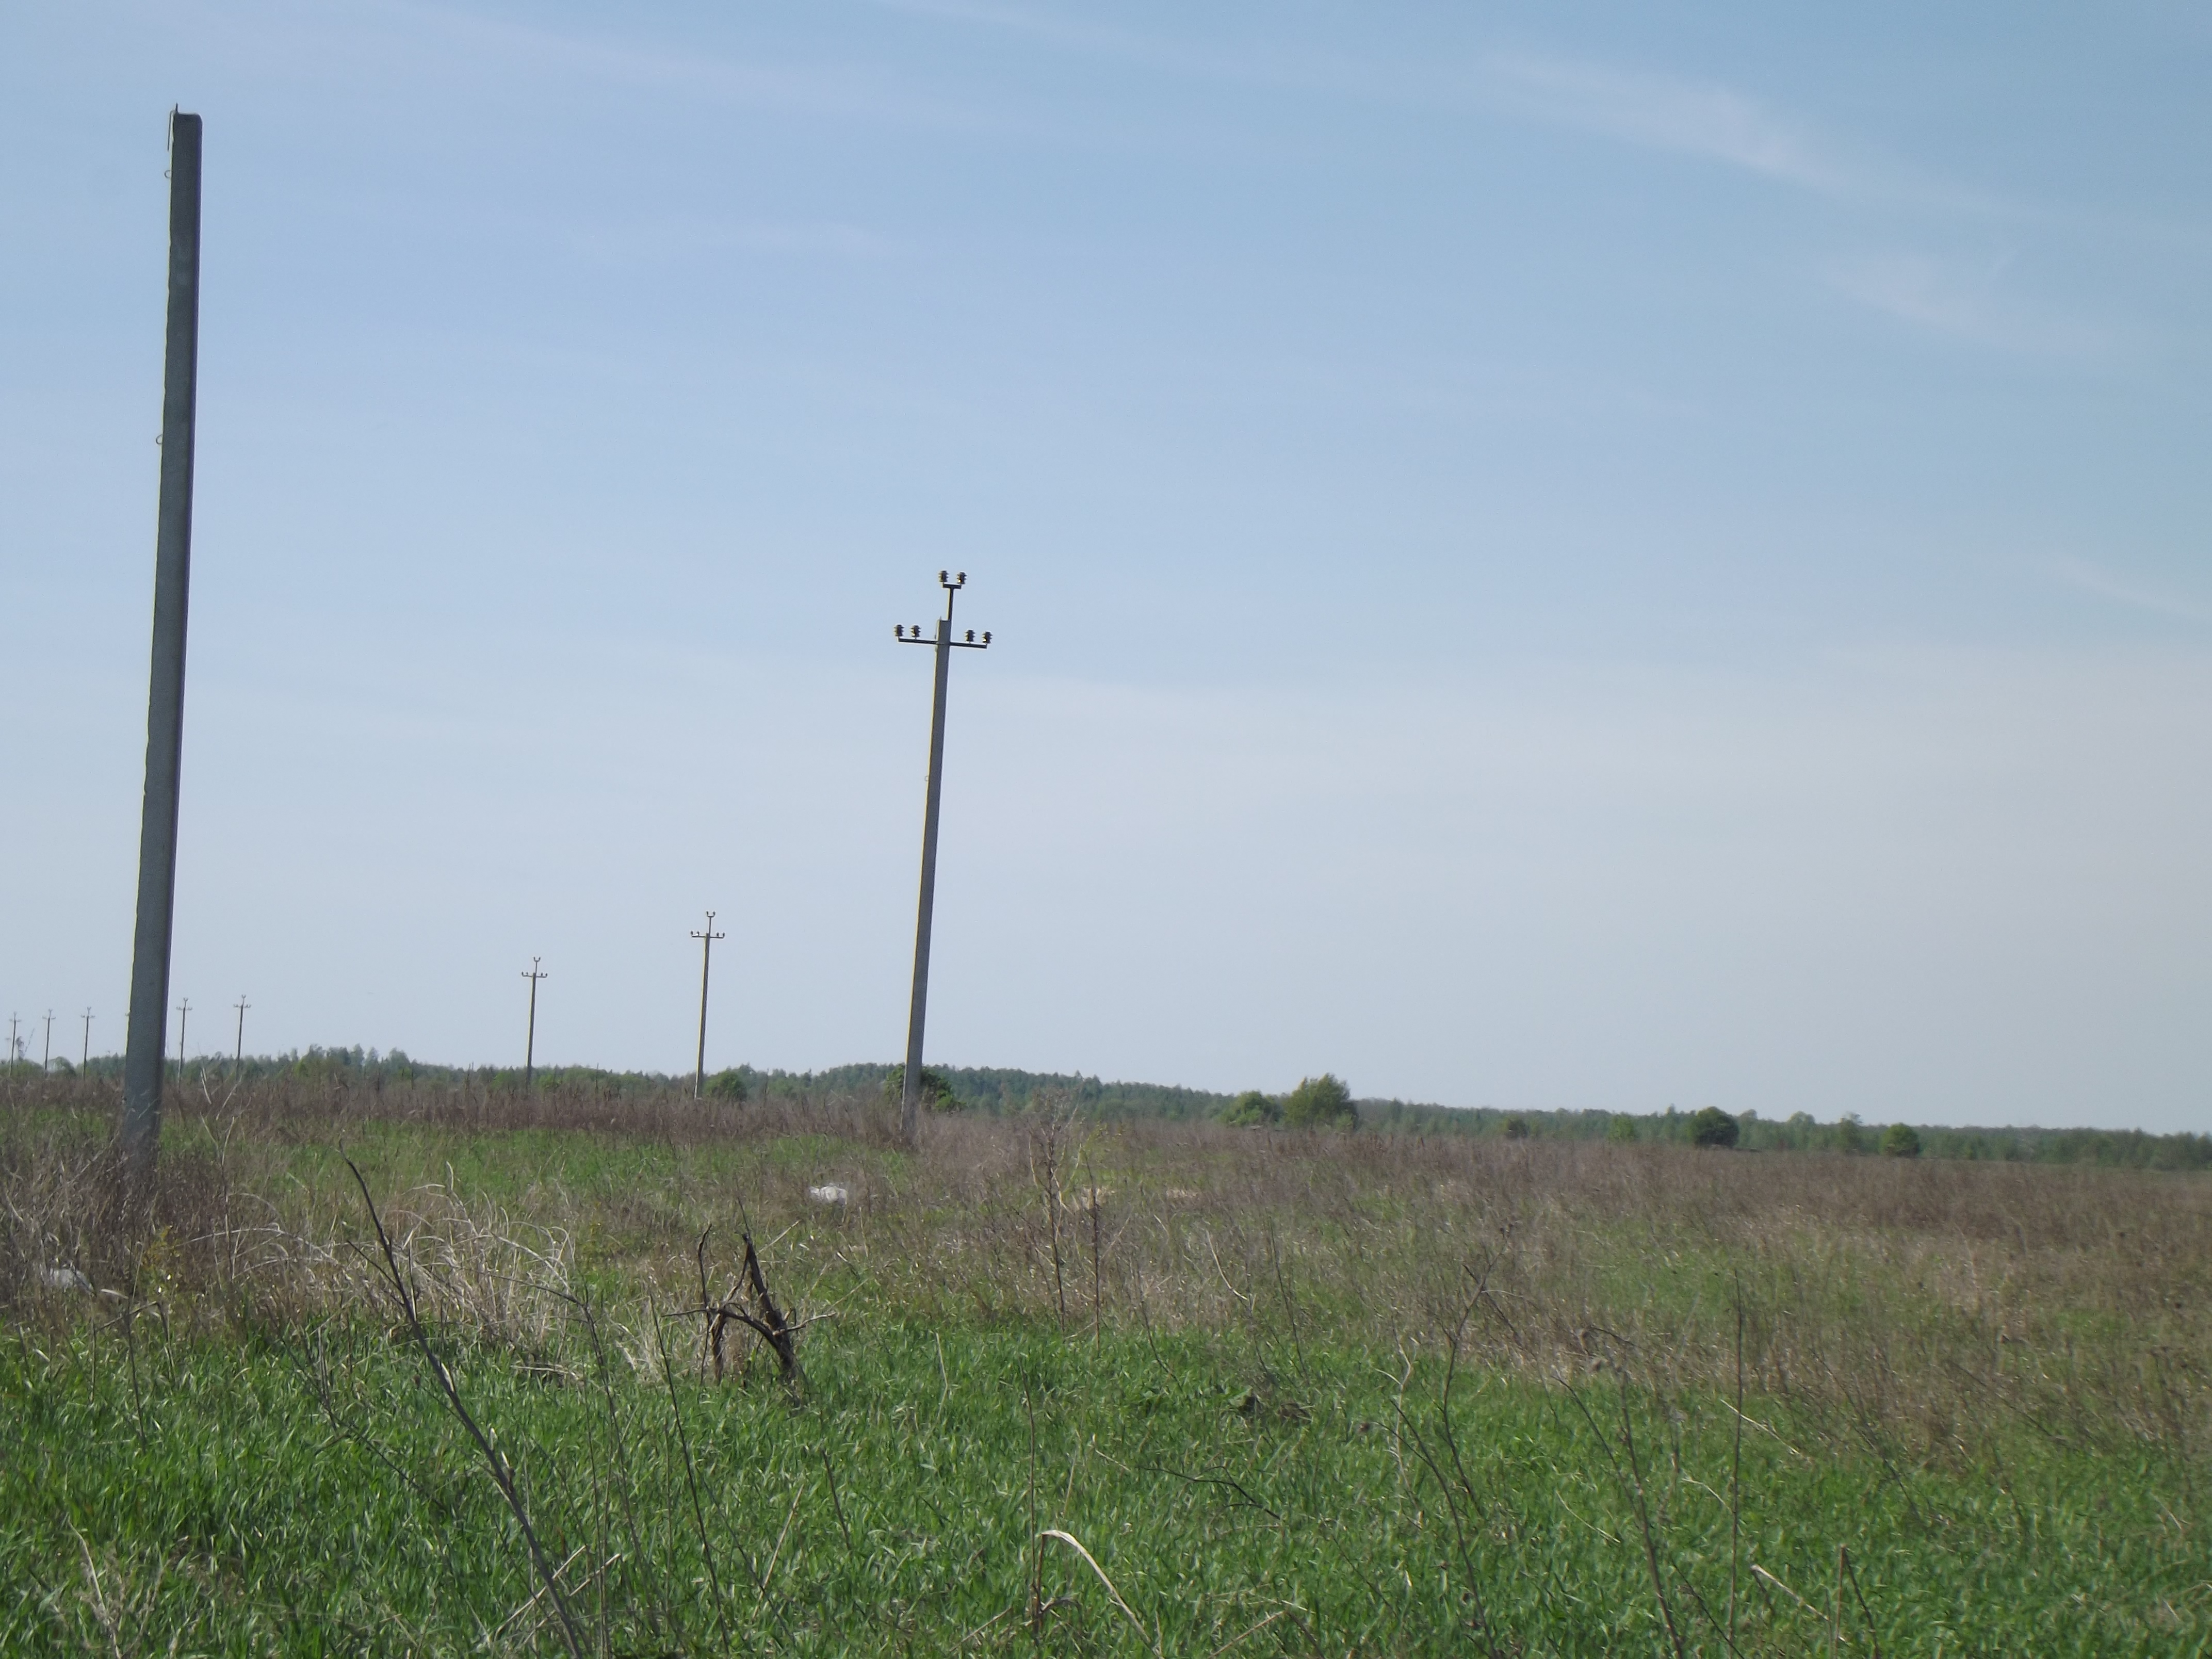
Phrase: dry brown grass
x=1899 y=1304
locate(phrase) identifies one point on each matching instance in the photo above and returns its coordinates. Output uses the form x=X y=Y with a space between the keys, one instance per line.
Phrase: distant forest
x=1000 y=1090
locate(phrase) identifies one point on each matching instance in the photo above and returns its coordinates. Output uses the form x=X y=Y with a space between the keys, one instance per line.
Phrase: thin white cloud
x=1967 y=304
x=1689 y=118
x=2094 y=578
x=1709 y=121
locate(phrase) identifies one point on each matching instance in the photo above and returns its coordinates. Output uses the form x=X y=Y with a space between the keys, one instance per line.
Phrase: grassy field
x=1076 y=1387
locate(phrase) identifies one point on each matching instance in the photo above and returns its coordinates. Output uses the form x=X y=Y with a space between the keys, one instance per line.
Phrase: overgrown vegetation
x=1132 y=1387
x=1001 y=1091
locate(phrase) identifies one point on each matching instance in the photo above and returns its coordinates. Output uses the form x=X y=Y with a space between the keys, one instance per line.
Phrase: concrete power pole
x=706 y=959
x=238 y=1054
x=910 y=1095
x=86 y=1060
x=165 y=701
x=530 y=1039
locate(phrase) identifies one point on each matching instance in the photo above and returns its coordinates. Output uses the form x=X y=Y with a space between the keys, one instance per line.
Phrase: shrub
x=936 y=1093
x=1253 y=1109
x=726 y=1086
x=1711 y=1127
x=1320 y=1103
x=1848 y=1139
x=1900 y=1140
x=1621 y=1131
x=1516 y=1127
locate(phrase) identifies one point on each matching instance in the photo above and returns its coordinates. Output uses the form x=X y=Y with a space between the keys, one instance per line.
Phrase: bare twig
x=764 y=1319
x=501 y=1474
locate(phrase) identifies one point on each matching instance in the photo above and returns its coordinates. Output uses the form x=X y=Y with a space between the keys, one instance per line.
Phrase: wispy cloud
x=1691 y=118
x=1709 y=121
x=1966 y=303
x=2094 y=578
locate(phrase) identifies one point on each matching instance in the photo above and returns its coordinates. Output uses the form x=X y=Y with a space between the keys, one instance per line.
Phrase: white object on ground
x=63 y=1278
x=829 y=1194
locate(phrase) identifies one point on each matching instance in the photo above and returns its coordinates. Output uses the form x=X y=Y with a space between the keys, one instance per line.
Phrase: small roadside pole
x=238 y=1054
x=529 y=1040
x=184 y=1023
x=910 y=1094
x=14 y=1020
x=86 y=1060
x=706 y=960
x=165 y=699
x=47 y=1060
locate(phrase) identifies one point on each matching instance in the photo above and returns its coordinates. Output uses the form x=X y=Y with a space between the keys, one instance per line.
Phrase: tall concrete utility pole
x=86 y=1060
x=910 y=1096
x=46 y=1060
x=238 y=1054
x=165 y=701
x=529 y=1040
x=706 y=960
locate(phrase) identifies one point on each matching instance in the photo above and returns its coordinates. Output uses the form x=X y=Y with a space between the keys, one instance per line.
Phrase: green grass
x=1240 y=1408
x=308 y=1493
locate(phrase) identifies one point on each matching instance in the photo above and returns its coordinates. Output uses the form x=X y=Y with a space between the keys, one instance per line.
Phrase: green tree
x=1320 y=1103
x=1516 y=1127
x=1252 y=1111
x=1621 y=1130
x=1848 y=1137
x=1711 y=1127
x=936 y=1093
x=1900 y=1140
x=726 y=1086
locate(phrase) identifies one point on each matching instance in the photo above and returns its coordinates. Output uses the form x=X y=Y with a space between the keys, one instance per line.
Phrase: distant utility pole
x=12 y=1021
x=47 y=1060
x=86 y=1060
x=165 y=701
x=237 y=1055
x=910 y=1095
x=706 y=960
x=530 y=1041
x=184 y=1023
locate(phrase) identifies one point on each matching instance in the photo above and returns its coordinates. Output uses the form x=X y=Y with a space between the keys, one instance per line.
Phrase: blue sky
x=1544 y=556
